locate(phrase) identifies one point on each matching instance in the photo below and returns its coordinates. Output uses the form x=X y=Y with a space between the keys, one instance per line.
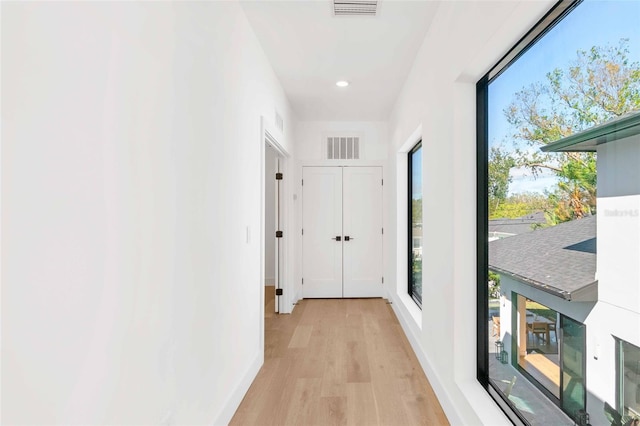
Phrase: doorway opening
x=274 y=218
x=273 y=227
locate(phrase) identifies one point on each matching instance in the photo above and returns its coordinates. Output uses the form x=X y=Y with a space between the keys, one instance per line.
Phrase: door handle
x=348 y=238
x=338 y=238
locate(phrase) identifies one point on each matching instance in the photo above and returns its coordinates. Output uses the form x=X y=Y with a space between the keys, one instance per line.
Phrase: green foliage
x=519 y=205
x=416 y=210
x=599 y=85
x=494 y=285
x=500 y=163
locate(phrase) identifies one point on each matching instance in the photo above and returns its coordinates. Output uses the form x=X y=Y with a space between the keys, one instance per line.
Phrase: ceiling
x=310 y=49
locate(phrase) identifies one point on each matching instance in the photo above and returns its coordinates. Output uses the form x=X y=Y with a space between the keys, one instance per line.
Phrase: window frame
x=556 y=14
x=410 y=155
x=620 y=380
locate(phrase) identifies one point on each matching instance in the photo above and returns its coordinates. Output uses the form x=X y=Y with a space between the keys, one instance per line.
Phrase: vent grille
x=279 y=122
x=343 y=148
x=355 y=7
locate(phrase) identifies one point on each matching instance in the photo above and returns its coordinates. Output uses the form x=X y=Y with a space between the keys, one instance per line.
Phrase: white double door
x=342 y=232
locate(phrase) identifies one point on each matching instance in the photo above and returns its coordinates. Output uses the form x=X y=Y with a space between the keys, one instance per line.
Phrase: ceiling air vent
x=343 y=148
x=355 y=7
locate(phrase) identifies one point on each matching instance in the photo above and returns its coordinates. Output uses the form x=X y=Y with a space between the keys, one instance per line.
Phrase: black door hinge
x=278 y=176
x=278 y=292
x=278 y=234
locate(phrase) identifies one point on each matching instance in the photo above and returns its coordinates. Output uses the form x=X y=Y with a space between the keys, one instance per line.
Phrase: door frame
x=387 y=286
x=272 y=136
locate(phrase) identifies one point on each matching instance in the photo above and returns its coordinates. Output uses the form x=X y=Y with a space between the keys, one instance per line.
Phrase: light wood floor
x=338 y=362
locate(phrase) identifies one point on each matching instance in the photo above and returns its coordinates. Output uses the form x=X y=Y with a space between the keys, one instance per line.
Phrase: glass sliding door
x=572 y=354
x=538 y=343
x=628 y=393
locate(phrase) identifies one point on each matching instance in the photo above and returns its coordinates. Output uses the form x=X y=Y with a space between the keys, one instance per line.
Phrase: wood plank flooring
x=338 y=362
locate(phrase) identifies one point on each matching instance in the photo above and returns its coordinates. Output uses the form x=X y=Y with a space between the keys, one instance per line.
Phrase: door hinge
x=303 y=281
x=303 y=232
x=278 y=234
x=278 y=292
x=302 y=182
x=383 y=230
x=382 y=182
x=382 y=280
x=278 y=176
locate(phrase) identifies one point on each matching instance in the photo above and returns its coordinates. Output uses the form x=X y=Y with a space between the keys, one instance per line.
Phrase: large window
x=415 y=223
x=628 y=394
x=545 y=297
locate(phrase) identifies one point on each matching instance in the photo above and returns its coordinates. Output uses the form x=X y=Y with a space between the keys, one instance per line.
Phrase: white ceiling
x=310 y=49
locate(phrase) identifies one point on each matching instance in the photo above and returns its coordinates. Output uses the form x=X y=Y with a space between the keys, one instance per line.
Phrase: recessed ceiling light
x=342 y=83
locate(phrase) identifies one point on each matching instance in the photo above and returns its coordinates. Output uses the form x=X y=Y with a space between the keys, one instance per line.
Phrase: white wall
x=466 y=39
x=310 y=137
x=618 y=310
x=619 y=223
x=270 y=217
x=131 y=173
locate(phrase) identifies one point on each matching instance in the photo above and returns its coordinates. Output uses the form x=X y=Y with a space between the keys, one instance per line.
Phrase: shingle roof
x=560 y=259
x=518 y=225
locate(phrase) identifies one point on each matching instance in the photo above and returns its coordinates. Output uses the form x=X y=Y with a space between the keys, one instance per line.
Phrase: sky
x=416 y=171
x=592 y=23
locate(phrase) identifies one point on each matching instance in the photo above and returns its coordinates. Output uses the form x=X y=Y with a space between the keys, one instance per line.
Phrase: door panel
x=322 y=222
x=573 y=361
x=362 y=224
x=278 y=267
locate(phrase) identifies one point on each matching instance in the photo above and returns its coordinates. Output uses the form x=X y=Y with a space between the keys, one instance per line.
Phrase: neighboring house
x=417 y=241
x=502 y=228
x=584 y=351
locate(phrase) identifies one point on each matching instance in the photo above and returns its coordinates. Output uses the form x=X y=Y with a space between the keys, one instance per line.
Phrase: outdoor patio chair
x=539 y=328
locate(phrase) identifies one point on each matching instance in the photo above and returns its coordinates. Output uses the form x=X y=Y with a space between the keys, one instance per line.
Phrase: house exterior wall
x=603 y=322
x=131 y=170
x=616 y=314
x=619 y=224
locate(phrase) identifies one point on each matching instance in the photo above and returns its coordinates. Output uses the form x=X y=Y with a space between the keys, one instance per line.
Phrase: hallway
x=338 y=362
x=133 y=210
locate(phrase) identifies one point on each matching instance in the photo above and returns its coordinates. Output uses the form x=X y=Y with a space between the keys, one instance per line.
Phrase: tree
x=518 y=205
x=599 y=85
x=494 y=285
x=500 y=163
x=416 y=210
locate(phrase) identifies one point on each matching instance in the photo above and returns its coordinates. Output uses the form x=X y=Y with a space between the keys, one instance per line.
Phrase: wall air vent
x=279 y=122
x=343 y=148
x=355 y=7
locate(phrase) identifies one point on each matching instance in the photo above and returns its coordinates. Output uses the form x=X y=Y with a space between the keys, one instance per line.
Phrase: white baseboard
x=404 y=316
x=235 y=397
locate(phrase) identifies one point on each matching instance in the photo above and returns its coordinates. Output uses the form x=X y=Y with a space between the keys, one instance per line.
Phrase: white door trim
x=353 y=283
x=271 y=135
